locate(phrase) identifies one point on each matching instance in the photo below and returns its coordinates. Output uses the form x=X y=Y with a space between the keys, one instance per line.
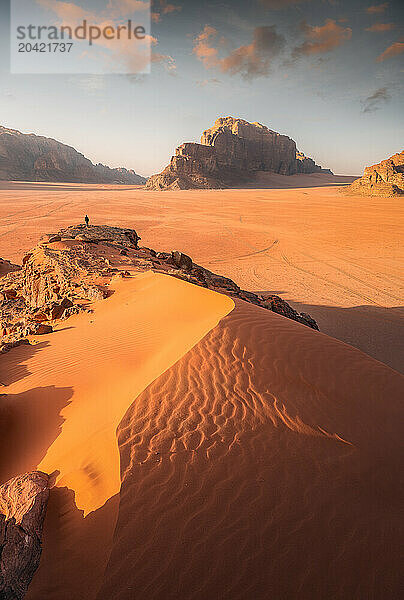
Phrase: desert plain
x=337 y=257
x=202 y=447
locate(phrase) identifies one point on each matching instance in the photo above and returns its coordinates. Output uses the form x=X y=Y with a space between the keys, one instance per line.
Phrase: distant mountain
x=386 y=178
x=230 y=153
x=29 y=157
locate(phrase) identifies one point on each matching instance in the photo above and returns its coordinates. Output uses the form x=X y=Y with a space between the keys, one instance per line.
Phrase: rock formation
x=28 y=157
x=23 y=502
x=384 y=179
x=68 y=270
x=6 y=267
x=230 y=153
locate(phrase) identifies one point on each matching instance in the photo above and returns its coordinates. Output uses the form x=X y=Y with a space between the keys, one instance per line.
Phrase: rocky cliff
x=68 y=270
x=28 y=157
x=23 y=502
x=383 y=179
x=230 y=153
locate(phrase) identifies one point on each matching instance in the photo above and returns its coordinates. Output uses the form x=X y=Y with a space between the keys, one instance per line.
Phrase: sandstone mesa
x=230 y=153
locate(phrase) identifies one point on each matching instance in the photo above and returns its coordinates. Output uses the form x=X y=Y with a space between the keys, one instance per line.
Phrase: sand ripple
x=262 y=465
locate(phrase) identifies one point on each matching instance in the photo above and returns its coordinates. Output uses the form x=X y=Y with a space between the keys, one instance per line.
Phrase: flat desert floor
x=334 y=256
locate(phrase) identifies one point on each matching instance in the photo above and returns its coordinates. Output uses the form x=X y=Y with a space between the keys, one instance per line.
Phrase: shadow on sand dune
x=30 y=422
x=68 y=569
x=376 y=330
x=17 y=363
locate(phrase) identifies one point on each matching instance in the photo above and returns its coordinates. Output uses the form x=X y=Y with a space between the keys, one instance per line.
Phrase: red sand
x=263 y=464
x=258 y=458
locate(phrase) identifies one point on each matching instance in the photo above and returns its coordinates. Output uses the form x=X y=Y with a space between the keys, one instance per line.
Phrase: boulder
x=23 y=502
x=181 y=260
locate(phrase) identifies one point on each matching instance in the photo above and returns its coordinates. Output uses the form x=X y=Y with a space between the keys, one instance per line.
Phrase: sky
x=327 y=73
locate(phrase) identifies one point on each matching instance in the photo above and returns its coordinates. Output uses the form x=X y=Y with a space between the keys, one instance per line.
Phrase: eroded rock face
x=7 y=267
x=28 y=157
x=58 y=278
x=384 y=179
x=73 y=267
x=23 y=502
x=230 y=153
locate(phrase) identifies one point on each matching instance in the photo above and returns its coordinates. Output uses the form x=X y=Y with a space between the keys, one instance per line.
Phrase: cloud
x=249 y=61
x=380 y=27
x=321 y=39
x=375 y=100
x=204 y=82
x=394 y=50
x=124 y=8
x=162 y=7
x=116 y=54
x=279 y=4
x=166 y=61
x=377 y=9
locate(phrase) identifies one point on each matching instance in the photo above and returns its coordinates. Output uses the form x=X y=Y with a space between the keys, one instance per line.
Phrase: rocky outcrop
x=230 y=153
x=28 y=157
x=7 y=267
x=384 y=179
x=23 y=502
x=73 y=267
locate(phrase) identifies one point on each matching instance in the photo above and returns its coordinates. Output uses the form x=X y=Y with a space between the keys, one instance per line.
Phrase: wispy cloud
x=162 y=7
x=249 y=61
x=120 y=52
x=377 y=9
x=280 y=4
x=393 y=50
x=205 y=82
x=376 y=100
x=380 y=27
x=321 y=39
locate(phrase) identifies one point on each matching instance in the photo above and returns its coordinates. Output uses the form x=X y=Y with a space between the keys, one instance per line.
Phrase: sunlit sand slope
x=102 y=361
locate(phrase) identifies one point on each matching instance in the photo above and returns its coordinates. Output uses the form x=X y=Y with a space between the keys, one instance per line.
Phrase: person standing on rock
x=87 y=220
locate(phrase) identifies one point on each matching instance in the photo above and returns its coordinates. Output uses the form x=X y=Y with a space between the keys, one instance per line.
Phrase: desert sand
x=262 y=464
x=333 y=256
x=202 y=447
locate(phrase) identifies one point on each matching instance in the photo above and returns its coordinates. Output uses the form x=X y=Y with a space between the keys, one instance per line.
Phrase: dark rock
x=181 y=260
x=43 y=329
x=23 y=502
x=54 y=238
x=9 y=294
x=281 y=307
x=66 y=303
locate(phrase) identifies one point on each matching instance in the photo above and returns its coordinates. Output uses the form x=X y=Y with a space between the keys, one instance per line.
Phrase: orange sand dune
x=334 y=256
x=106 y=360
x=258 y=458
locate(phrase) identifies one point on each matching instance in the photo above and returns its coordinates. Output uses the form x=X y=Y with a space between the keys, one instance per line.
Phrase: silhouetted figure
x=87 y=220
